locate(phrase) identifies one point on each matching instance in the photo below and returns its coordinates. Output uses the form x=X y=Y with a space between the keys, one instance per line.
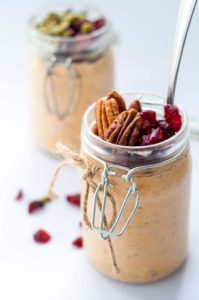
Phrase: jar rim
x=149 y=147
x=131 y=155
x=79 y=38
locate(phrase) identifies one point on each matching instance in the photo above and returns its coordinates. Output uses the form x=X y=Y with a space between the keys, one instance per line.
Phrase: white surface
x=57 y=271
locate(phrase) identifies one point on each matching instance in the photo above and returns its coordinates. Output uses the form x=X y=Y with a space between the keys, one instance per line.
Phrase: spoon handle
x=185 y=14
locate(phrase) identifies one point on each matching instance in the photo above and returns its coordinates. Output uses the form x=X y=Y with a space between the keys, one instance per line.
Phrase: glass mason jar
x=66 y=74
x=147 y=239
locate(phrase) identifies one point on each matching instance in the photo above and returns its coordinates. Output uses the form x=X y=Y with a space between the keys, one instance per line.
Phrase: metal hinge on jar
x=73 y=88
x=112 y=170
x=128 y=176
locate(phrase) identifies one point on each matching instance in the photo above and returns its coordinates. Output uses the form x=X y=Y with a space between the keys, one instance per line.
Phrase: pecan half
x=112 y=110
x=94 y=129
x=105 y=113
x=136 y=105
x=125 y=129
x=118 y=98
x=100 y=116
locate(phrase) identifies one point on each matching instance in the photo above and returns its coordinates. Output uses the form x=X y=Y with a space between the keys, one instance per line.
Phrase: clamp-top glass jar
x=140 y=194
x=66 y=74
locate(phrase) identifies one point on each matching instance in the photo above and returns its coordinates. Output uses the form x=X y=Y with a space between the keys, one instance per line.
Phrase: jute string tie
x=89 y=171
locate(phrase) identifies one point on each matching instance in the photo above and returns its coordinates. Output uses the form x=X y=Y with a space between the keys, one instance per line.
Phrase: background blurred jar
x=154 y=244
x=66 y=74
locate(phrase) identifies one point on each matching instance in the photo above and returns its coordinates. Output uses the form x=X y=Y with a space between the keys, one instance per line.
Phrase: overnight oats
x=70 y=64
x=135 y=195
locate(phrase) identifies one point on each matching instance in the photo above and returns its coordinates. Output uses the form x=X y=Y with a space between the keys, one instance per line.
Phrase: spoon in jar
x=185 y=14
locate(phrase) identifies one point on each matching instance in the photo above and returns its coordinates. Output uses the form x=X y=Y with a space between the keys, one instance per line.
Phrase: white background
x=56 y=271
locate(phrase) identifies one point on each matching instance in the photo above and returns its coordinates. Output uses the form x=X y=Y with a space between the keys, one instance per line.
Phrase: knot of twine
x=73 y=159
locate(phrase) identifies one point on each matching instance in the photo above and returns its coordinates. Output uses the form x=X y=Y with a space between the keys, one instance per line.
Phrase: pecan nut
x=112 y=110
x=125 y=129
x=94 y=129
x=105 y=113
x=101 y=120
x=119 y=99
x=136 y=105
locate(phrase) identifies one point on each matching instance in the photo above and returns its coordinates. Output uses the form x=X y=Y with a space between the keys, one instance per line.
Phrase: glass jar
x=66 y=74
x=149 y=240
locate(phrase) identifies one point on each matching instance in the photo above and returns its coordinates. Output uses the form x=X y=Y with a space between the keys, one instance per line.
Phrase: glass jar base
x=121 y=277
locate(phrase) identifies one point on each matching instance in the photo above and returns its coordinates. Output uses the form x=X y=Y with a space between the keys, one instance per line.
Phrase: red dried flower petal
x=78 y=243
x=19 y=195
x=41 y=236
x=74 y=199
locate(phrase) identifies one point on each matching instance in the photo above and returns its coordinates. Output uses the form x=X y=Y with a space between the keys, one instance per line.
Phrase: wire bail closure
x=73 y=88
x=111 y=170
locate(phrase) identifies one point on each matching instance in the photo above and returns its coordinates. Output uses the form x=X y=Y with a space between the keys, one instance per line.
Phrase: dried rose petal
x=41 y=236
x=37 y=204
x=74 y=199
x=78 y=243
x=19 y=195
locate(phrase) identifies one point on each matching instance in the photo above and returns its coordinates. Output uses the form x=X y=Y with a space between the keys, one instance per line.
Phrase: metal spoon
x=185 y=14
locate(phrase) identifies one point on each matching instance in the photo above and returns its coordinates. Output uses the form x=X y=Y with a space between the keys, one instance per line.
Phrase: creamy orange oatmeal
x=155 y=243
x=96 y=78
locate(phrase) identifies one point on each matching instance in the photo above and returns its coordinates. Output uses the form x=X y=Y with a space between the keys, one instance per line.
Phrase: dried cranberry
x=149 y=115
x=169 y=111
x=76 y=24
x=164 y=125
x=78 y=243
x=34 y=206
x=167 y=134
x=144 y=140
x=74 y=199
x=173 y=117
x=19 y=195
x=176 y=123
x=166 y=129
x=41 y=236
x=37 y=205
x=70 y=32
x=148 y=121
x=99 y=23
x=154 y=137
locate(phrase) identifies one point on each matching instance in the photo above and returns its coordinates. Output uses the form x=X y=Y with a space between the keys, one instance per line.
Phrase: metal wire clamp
x=73 y=92
x=111 y=170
